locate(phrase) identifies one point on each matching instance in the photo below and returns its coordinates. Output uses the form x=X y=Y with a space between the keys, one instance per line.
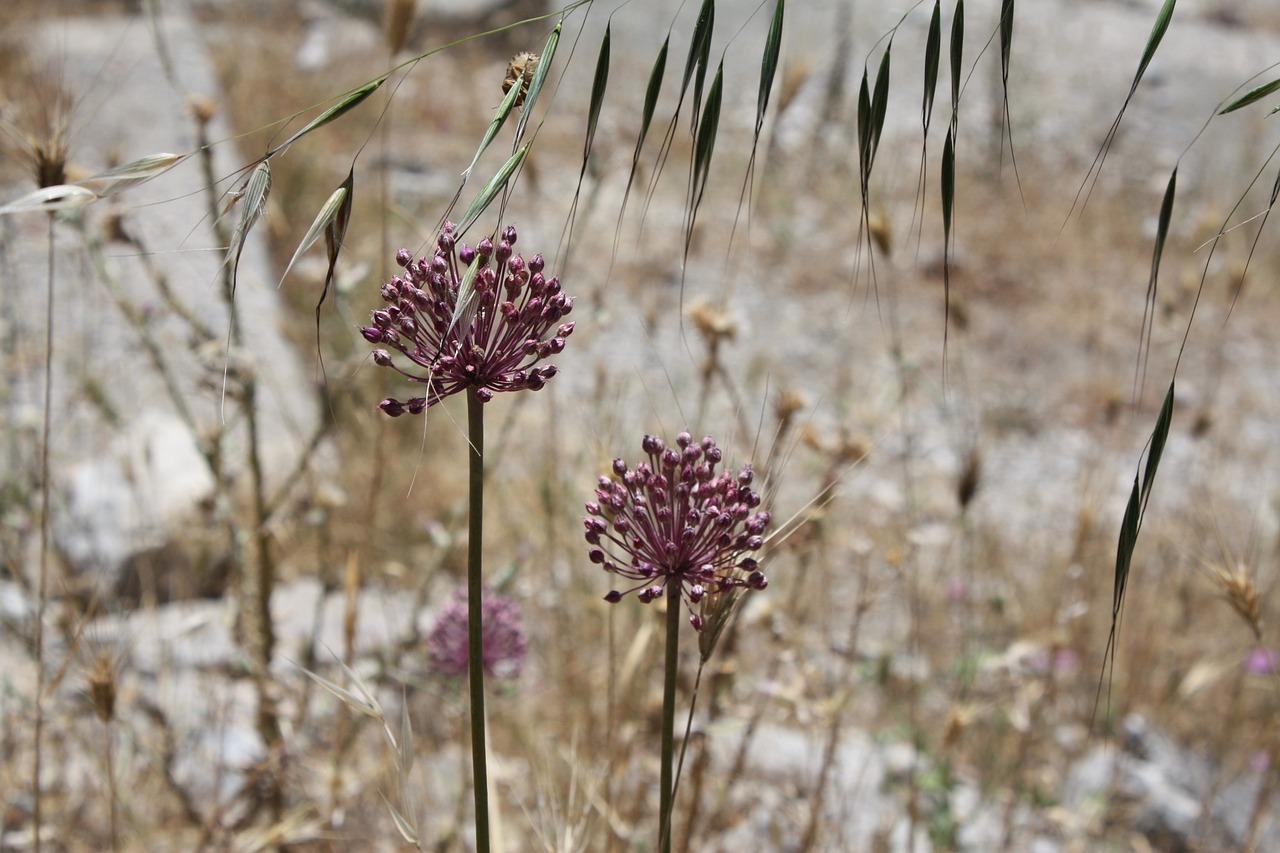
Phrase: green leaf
x=1251 y=97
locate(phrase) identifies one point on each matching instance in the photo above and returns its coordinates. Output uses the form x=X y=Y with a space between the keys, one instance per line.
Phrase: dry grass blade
x=406 y=744
x=51 y=200
x=403 y=825
x=252 y=201
x=323 y=224
x=363 y=703
x=539 y=79
x=398 y=23
x=131 y=174
x=464 y=310
x=348 y=102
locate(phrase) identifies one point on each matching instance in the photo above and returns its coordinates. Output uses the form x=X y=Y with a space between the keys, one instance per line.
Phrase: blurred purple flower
x=1262 y=661
x=508 y=323
x=674 y=520
x=505 y=643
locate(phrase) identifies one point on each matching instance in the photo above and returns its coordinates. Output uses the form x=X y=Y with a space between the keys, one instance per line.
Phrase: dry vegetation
x=945 y=582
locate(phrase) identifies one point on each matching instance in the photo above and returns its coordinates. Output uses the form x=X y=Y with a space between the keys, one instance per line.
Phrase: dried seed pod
x=520 y=71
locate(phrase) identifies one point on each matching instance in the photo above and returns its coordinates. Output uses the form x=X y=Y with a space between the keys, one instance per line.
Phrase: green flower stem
x=475 y=637
x=669 y=715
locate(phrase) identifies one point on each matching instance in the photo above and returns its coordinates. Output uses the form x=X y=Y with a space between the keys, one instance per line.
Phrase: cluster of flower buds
x=469 y=316
x=673 y=519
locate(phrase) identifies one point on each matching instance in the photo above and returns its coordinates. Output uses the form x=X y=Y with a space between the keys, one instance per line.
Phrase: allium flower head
x=505 y=643
x=673 y=519
x=508 y=323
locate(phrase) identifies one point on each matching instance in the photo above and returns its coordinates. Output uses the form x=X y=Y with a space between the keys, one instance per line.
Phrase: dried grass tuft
x=1238 y=588
x=398 y=24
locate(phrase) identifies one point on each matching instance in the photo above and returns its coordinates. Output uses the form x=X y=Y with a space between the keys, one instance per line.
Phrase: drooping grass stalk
x=42 y=588
x=669 y=716
x=475 y=634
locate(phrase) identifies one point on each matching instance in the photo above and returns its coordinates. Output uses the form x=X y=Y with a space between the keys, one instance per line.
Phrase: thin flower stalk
x=682 y=532
x=477 y=319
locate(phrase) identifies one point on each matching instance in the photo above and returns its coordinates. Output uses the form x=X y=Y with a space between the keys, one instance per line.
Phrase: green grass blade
x=1006 y=36
x=348 y=102
x=1250 y=97
x=539 y=78
x=707 y=133
x=769 y=64
x=492 y=189
x=1158 y=438
x=1124 y=551
x=932 y=56
x=880 y=101
x=598 y=85
x=864 y=128
x=957 y=51
x=499 y=118
x=650 y=104
x=1153 y=41
x=699 y=51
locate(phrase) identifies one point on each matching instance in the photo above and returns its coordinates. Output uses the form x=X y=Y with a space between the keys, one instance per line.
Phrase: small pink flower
x=1262 y=661
x=504 y=640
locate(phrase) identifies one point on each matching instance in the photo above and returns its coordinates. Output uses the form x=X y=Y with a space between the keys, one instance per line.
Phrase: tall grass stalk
x=42 y=583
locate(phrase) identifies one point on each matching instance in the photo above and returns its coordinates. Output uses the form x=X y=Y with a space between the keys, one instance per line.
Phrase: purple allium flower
x=1262 y=661
x=505 y=642
x=510 y=321
x=673 y=519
